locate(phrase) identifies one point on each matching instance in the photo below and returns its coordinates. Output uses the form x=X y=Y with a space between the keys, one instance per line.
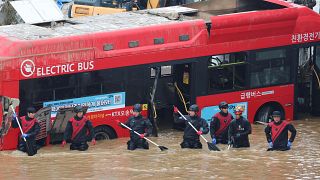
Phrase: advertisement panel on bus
x=208 y=112
x=94 y=103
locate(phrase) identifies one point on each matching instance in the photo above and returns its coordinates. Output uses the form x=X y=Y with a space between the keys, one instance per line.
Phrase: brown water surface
x=111 y=160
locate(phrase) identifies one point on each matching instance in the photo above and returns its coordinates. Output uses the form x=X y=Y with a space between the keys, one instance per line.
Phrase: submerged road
x=111 y=160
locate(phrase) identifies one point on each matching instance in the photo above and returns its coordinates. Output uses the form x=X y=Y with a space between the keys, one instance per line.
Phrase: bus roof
x=89 y=24
x=156 y=35
x=120 y=21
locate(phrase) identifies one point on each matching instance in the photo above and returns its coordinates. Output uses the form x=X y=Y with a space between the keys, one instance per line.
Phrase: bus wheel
x=265 y=112
x=104 y=132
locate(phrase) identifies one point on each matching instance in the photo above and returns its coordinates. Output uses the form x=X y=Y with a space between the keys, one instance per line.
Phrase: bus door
x=6 y=114
x=316 y=82
x=182 y=86
x=305 y=79
x=169 y=86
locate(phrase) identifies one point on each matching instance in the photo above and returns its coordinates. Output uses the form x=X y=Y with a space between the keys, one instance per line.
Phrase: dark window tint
x=131 y=80
x=271 y=67
x=227 y=72
x=136 y=87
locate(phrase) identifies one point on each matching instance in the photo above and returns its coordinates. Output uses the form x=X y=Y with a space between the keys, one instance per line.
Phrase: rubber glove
x=214 y=141
x=289 y=144
x=175 y=109
x=141 y=136
x=14 y=116
x=93 y=142
x=63 y=143
x=25 y=135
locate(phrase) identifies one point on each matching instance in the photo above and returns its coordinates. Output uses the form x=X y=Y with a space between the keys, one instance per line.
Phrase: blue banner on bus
x=210 y=111
x=94 y=103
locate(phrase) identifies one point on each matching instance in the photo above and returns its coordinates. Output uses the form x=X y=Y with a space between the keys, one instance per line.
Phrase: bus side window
x=89 y=84
x=135 y=85
x=270 y=67
x=64 y=87
x=227 y=72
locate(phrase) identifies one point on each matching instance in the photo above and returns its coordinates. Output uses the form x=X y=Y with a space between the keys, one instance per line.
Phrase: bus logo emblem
x=27 y=68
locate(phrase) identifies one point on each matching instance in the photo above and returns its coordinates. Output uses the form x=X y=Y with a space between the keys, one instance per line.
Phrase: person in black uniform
x=141 y=125
x=219 y=125
x=239 y=130
x=191 y=137
x=277 y=133
x=30 y=128
x=77 y=131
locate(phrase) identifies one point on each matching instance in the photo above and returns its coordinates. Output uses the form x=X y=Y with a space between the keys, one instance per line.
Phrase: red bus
x=248 y=53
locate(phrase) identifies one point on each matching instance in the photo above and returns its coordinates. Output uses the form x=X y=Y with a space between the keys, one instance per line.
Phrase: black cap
x=194 y=108
x=137 y=108
x=223 y=104
x=31 y=110
x=276 y=114
x=78 y=109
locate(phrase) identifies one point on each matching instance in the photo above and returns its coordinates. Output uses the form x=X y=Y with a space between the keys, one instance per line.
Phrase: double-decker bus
x=247 y=53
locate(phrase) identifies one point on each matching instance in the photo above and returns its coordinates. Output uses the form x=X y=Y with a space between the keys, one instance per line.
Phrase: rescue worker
x=79 y=130
x=239 y=130
x=30 y=128
x=141 y=125
x=191 y=137
x=277 y=133
x=220 y=124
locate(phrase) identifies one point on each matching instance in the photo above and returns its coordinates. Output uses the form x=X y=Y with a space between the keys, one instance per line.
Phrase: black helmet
x=194 y=108
x=276 y=114
x=223 y=104
x=78 y=109
x=31 y=110
x=137 y=108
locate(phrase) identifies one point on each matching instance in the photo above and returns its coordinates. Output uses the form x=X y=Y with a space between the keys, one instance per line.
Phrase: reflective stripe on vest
x=224 y=122
x=27 y=125
x=77 y=126
x=277 y=129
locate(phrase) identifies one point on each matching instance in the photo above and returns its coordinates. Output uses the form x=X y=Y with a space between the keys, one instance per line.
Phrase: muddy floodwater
x=111 y=160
